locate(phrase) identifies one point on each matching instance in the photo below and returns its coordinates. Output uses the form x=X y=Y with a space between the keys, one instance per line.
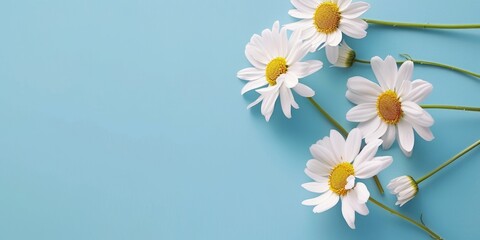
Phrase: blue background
x=123 y=119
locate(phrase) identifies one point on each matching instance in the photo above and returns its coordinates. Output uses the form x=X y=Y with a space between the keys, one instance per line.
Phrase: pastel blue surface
x=123 y=120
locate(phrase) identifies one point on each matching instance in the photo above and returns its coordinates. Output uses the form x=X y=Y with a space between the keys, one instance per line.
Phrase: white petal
x=258 y=54
x=367 y=153
x=378 y=133
x=254 y=85
x=332 y=53
x=258 y=100
x=355 y=10
x=424 y=132
x=405 y=135
x=373 y=167
x=314 y=176
x=363 y=86
x=412 y=109
x=325 y=201
x=352 y=145
x=420 y=90
x=369 y=126
x=385 y=71
x=303 y=69
x=299 y=14
x=316 y=41
x=389 y=137
x=318 y=167
x=291 y=80
x=362 y=192
x=425 y=120
x=333 y=39
x=316 y=187
x=268 y=104
x=350 y=182
x=286 y=101
x=338 y=143
x=250 y=74
x=362 y=112
x=323 y=154
x=348 y=213
x=302 y=6
x=403 y=88
x=303 y=90
x=359 y=99
x=405 y=72
x=297 y=52
x=343 y=4
x=353 y=28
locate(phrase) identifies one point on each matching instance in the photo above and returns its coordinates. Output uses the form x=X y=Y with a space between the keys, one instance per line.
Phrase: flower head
x=343 y=56
x=324 y=21
x=276 y=63
x=337 y=163
x=391 y=108
x=405 y=187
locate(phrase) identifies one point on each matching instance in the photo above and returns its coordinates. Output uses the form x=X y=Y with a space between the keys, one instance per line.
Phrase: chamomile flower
x=324 y=21
x=390 y=110
x=404 y=187
x=276 y=63
x=336 y=165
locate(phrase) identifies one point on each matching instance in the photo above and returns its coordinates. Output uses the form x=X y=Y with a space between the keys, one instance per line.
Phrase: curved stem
x=329 y=117
x=451 y=107
x=451 y=160
x=343 y=132
x=428 y=63
x=419 y=225
x=422 y=25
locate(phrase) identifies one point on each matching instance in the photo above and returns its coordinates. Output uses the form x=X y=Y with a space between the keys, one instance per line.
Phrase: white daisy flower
x=276 y=62
x=324 y=21
x=391 y=108
x=337 y=163
x=343 y=56
x=405 y=187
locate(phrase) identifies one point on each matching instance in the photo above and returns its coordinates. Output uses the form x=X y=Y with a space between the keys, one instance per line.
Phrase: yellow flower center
x=327 y=17
x=389 y=107
x=338 y=178
x=275 y=68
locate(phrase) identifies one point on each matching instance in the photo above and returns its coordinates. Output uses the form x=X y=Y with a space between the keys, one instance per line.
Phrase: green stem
x=329 y=117
x=428 y=63
x=343 y=132
x=421 y=226
x=451 y=160
x=451 y=107
x=422 y=25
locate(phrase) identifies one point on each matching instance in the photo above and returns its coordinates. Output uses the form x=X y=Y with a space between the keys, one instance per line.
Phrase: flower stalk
x=448 y=162
x=451 y=107
x=419 y=225
x=343 y=131
x=428 y=63
x=421 y=25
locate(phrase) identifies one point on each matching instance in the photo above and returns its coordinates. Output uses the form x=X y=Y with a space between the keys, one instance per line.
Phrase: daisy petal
x=367 y=153
x=254 y=85
x=412 y=109
x=332 y=53
x=362 y=192
x=369 y=126
x=323 y=154
x=348 y=213
x=359 y=99
x=371 y=168
x=316 y=187
x=355 y=10
x=318 y=167
x=259 y=99
x=424 y=132
x=314 y=176
x=363 y=86
x=303 y=69
x=338 y=143
x=343 y=5
x=250 y=74
x=385 y=71
x=286 y=102
x=362 y=112
x=353 y=28
x=303 y=90
x=333 y=39
x=420 y=90
x=352 y=145
x=382 y=128
x=299 y=14
x=327 y=203
x=405 y=135
x=389 y=137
